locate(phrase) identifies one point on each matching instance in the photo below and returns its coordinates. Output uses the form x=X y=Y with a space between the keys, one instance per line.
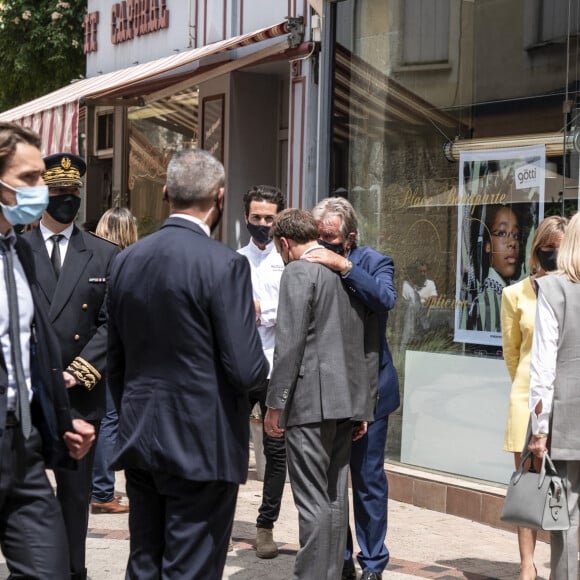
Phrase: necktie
x=23 y=408
x=55 y=254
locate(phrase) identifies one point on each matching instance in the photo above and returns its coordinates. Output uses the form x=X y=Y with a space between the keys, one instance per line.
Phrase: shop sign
x=90 y=23
x=129 y=19
x=132 y=18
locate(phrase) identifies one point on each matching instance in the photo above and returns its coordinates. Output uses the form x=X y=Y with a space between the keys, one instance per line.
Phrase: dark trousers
x=32 y=534
x=370 y=494
x=274 y=474
x=73 y=490
x=179 y=528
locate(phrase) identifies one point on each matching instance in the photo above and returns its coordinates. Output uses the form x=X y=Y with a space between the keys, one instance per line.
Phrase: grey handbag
x=536 y=500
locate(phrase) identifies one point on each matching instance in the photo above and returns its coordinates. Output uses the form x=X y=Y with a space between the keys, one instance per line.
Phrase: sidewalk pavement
x=423 y=544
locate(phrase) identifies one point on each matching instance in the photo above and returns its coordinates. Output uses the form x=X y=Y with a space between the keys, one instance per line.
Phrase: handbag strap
x=547 y=467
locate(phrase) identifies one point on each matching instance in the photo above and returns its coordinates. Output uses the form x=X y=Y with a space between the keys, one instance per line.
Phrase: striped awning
x=55 y=116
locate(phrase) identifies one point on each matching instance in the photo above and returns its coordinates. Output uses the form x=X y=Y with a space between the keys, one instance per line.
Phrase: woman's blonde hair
x=549 y=227
x=569 y=252
x=118 y=225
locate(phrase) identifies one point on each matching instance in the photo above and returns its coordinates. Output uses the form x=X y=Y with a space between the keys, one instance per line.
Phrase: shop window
x=105 y=133
x=156 y=132
x=425 y=31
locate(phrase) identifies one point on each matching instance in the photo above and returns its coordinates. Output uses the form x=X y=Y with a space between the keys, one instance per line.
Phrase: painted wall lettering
x=131 y=18
x=90 y=23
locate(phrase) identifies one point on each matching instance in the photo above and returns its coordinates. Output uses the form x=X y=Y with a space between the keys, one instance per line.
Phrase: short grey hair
x=337 y=206
x=193 y=176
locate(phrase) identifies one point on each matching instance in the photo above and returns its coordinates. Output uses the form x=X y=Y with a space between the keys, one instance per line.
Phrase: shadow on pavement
x=477 y=568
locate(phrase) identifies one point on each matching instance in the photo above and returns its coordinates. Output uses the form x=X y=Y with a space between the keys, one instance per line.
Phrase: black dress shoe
x=368 y=575
x=348 y=571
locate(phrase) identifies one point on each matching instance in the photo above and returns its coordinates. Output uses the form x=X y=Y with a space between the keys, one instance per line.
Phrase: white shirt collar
x=195 y=220
x=311 y=249
x=267 y=250
x=46 y=233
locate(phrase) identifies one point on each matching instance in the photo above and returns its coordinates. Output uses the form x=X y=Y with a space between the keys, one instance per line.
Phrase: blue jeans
x=103 y=475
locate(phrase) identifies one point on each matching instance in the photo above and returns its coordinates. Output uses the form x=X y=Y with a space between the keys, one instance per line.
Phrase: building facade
x=428 y=115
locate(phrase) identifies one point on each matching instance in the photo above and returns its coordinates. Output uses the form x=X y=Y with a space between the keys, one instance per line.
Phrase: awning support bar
x=556 y=144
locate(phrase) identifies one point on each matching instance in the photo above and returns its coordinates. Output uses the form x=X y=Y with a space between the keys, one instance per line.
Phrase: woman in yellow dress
x=518 y=311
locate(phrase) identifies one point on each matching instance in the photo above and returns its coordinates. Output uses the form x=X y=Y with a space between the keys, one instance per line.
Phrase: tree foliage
x=41 y=46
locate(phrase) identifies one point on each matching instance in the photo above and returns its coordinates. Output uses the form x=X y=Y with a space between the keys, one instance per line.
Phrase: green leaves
x=41 y=44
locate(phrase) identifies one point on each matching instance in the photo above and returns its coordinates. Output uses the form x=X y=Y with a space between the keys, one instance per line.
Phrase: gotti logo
x=528 y=176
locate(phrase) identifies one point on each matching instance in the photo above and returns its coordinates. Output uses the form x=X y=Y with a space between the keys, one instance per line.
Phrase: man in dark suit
x=72 y=268
x=368 y=275
x=319 y=387
x=184 y=353
x=36 y=428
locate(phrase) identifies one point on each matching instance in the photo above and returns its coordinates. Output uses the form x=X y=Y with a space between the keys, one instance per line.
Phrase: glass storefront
x=417 y=86
x=156 y=132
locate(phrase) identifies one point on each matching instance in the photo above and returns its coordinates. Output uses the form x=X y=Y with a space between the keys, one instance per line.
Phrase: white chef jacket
x=267 y=267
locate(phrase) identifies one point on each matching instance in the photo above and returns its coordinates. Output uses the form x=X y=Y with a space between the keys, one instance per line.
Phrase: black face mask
x=63 y=208
x=336 y=248
x=215 y=224
x=261 y=234
x=548 y=259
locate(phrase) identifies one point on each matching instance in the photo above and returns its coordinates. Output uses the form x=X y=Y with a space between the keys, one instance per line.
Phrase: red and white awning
x=55 y=116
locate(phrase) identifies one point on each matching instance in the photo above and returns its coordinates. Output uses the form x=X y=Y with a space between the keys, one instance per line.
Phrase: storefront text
x=132 y=18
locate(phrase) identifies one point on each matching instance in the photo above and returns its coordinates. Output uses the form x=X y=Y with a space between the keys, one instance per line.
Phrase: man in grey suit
x=319 y=394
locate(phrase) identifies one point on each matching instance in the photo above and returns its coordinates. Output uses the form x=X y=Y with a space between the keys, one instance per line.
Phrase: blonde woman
x=116 y=225
x=518 y=309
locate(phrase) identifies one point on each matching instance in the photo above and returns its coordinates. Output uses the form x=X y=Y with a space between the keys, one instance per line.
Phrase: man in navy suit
x=36 y=429
x=184 y=352
x=369 y=275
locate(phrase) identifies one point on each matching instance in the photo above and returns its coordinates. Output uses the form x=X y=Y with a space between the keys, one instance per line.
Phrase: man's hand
x=327 y=258
x=271 y=423
x=359 y=430
x=258 y=309
x=538 y=446
x=80 y=440
x=70 y=381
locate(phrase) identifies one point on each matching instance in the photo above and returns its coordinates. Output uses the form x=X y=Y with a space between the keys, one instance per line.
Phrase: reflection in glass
x=402 y=90
x=156 y=132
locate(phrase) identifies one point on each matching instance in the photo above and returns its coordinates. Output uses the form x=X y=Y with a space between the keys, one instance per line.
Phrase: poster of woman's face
x=501 y=195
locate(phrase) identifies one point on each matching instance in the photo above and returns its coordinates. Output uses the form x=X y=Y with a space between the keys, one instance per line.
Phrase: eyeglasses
x=516 y=236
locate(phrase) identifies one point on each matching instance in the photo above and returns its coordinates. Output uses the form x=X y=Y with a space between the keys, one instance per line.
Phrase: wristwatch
x=347 y=268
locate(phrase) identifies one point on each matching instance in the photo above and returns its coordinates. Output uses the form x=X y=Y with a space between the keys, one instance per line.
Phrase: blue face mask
x=30 y=203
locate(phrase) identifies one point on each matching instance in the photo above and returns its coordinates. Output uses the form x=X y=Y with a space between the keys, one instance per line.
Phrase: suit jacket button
x=77 y=337
x=84 y=306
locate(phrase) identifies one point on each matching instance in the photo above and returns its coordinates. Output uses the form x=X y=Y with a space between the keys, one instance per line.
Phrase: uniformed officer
x=72 y=268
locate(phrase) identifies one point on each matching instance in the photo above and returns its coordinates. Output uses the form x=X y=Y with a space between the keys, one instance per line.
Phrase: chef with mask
x=261 y=204
x=72 y=268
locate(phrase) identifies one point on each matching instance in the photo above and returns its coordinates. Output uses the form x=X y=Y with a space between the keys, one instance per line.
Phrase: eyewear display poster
x=501 y=202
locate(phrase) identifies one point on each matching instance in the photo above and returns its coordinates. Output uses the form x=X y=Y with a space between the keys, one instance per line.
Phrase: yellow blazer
x=518 y=313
